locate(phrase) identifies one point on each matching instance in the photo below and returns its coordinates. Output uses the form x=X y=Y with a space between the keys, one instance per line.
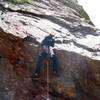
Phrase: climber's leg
x=55 y=64
x=39 y=63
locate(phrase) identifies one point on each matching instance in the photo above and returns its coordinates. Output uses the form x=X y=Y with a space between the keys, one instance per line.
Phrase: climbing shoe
x=35 y=75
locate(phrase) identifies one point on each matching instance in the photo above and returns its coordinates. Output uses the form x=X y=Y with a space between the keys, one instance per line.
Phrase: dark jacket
x=48 y=41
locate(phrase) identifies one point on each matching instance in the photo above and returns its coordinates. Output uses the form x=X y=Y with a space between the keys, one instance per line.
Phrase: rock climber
x=47 y=46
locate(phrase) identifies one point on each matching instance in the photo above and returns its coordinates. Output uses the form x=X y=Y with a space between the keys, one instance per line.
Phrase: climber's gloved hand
x=51 y=51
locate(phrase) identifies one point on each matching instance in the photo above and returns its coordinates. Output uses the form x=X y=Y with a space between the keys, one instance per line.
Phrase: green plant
x=21 y=1
x=84 y=14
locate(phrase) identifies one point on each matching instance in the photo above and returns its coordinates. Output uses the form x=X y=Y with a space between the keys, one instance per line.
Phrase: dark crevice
x=84 y=47
x=69 y=19
x=84 y=30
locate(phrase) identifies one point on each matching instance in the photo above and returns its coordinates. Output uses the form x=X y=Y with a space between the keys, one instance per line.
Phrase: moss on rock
x=20 y=1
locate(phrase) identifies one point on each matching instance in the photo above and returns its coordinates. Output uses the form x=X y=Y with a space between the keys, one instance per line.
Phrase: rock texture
x=23 y=26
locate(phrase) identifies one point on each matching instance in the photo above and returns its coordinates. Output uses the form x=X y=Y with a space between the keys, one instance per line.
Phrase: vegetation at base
x=20 y=1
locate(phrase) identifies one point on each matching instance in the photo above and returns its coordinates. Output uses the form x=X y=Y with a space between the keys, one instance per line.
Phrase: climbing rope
x=47 y=65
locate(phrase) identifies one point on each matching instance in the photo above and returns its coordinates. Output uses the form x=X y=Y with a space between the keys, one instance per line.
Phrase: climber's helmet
x=51 y=35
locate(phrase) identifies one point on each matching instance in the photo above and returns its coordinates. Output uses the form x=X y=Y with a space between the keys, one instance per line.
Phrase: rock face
x=23 y=26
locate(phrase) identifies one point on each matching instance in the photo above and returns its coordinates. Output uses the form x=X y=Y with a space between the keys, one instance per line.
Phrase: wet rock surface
x=22 y=27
